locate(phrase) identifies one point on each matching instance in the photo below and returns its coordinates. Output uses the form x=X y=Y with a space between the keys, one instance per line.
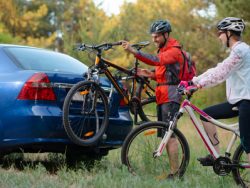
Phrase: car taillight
x=122 y=102
x=38 y=87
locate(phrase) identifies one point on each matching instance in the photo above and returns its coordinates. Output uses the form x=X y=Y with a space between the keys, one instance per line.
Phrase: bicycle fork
x=167 y=135
x=93 y=97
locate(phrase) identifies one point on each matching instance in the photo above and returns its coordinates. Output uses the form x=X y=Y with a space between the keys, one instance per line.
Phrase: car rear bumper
x=42 y=127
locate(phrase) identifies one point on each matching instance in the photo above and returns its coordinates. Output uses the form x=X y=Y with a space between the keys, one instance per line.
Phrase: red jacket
x=168 y=62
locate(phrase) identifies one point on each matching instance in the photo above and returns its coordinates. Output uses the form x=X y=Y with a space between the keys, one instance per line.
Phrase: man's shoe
x=206 y=161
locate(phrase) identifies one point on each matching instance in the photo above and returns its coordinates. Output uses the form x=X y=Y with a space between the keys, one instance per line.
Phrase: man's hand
x=145 y=73
x=126 y=45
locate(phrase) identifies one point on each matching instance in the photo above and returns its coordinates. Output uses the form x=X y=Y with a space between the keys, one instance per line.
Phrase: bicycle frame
x=101 y=66
x=190 y=108
x=101 y=62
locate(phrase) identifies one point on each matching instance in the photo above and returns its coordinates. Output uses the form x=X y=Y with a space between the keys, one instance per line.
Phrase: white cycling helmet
x=232 y=24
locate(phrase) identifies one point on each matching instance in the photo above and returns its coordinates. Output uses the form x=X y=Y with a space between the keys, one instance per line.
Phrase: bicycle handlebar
x=188 y=92
x=100 y=47
x=107 y=46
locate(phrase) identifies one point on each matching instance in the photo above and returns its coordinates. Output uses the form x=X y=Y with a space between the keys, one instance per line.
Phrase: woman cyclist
x=235 y=69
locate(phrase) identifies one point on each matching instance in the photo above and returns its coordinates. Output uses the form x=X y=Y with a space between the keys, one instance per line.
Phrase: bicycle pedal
x=205 y=163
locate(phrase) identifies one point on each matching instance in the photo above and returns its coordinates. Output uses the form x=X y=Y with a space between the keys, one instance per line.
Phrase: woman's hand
x=189 y=87
x=185 y=84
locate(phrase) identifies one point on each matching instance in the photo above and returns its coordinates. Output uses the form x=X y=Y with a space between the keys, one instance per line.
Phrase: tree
x=193 y=30
x=83 y=22
x=235 y=8
x=23 y=20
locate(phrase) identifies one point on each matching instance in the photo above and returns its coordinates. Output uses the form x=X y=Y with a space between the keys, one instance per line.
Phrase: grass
x=53 y=172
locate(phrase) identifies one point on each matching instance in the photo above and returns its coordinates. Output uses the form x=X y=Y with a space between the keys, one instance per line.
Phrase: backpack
x=189 y=68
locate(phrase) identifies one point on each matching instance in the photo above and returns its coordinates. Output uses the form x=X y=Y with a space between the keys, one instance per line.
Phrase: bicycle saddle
x=140 y=45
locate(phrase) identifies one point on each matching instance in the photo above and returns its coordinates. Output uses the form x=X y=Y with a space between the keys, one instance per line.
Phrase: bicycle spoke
x=138 y=149
x=80 y=125
x=86 y=113
x=148 y=110
x=241 y=174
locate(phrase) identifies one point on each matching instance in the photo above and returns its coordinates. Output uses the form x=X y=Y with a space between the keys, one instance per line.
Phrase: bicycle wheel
x=241 y=174
x=148 y=111
x=140 y=144
x=85 y=113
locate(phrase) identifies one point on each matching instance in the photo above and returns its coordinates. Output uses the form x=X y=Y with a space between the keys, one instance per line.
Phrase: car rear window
x=45 y=60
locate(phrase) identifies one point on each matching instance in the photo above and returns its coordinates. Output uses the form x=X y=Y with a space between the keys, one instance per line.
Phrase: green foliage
x=196 y=33
x=7 y=38
x=210 y=96
x=109 y=172
x=82 y=22
x=36 y=23
x=235 y=8
x=24 y=20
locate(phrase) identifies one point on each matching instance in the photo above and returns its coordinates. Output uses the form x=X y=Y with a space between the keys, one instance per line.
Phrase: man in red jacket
x=168 y=70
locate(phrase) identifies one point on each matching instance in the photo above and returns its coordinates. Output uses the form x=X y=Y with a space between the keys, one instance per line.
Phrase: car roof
x=21 y=64
x=23 y=46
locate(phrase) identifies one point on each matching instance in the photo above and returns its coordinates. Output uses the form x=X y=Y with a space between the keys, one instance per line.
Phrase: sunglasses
x=220 y=32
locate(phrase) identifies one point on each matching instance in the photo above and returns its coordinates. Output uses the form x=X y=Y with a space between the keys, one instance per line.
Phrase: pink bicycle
x=144 y=150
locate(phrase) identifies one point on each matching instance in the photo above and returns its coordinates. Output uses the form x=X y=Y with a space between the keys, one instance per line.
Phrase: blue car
x=33 y=85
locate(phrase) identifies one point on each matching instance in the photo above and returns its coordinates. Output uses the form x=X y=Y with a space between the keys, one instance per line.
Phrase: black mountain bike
x=86 y=106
